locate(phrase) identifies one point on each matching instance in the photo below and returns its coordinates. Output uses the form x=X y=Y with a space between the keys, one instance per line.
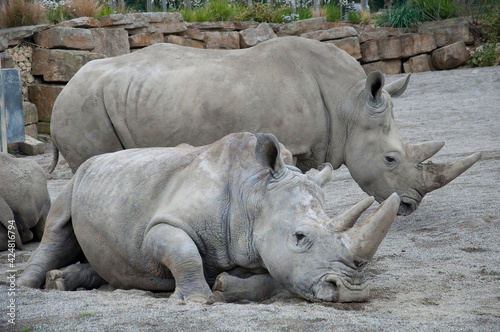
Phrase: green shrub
x=486 y=55
x=434 y=10
x=304 y=13
x=493 y=21
x=400 y=16
x=15 y=13
x=221 y=10
x=332 y=13
x=262 y=12
x=57 y=14
x=354 y=17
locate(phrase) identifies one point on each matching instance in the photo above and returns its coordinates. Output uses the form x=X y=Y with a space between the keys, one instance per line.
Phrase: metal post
x=149 y=4
x=163 y=5
x=112 y=5
x=3 y=116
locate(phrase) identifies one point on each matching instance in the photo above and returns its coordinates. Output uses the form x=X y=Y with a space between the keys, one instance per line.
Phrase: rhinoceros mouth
x=331 y=288
x=407 y=205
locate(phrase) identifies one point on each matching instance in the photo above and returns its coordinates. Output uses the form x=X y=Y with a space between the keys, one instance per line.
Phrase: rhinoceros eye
x=389 y=160
x=299 y=237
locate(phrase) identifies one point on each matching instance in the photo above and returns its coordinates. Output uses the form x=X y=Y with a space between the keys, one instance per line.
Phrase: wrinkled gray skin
x=23 y=198
x=230 y=215
x=313 y=96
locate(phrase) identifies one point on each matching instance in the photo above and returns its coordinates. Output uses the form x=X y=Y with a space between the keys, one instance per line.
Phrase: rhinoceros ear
x=397 y=87
x=267 y=153
x=373 y=88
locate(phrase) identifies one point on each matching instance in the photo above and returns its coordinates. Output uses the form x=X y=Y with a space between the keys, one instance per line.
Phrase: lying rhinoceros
x=165 y=218
x=314 y=97
x=24 y=199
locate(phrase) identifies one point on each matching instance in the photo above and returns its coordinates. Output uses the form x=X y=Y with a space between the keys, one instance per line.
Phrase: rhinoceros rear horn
x=438 y=175
x=364 y=239
x=324 y=174
x=267 y=153
x=347 y=219
x=423 y=151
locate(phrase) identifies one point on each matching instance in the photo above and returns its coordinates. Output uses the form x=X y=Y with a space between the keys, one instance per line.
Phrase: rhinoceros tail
x=55 y=158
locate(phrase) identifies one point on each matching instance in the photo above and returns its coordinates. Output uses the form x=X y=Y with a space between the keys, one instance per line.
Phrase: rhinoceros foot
x=55 y=280
x=228 y=288
x=203 y=297
x=72 y=277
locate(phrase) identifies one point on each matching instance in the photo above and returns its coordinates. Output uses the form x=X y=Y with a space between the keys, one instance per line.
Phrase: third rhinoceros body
x=165 y=218
x=313 y=96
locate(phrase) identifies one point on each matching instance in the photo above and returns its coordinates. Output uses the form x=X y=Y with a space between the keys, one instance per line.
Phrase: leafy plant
x=221 y=10
x=354 y=17
x=434 y=10
x=262 y=12
x=486 y=55
x=332 y=13
x=304 y=13
x=14 y=13
x=56 y=14
x=107 y=10
x=400 y=16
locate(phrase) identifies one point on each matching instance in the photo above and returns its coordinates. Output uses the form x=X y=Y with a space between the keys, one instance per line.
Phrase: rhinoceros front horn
x=438 y=175
x=364 y=239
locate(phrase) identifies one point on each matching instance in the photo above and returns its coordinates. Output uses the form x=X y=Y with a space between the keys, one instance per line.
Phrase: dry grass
x=16 y=13
x=365 y=16
x=318 y=13
x=84 y=8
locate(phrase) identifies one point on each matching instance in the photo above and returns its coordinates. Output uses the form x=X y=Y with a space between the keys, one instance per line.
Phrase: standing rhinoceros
x=165 y=218
x=24 y=200
x=313 y=96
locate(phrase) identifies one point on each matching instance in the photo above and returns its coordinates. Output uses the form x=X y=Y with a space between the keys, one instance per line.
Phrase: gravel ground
x=438 y=269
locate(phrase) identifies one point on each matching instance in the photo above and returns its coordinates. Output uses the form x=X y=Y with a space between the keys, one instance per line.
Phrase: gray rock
x=13 y=36
x=334 y=33
x=31 y=146
x=450 y=56
x=253 y=36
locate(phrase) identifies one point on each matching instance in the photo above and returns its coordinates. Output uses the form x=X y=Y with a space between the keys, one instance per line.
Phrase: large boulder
x=70 y=38
x=450 y=56
x=333 y=33
x=253 y=36
x=60 y=65
x=448 y=31
x=111 y=42
x=227 y=40
x=44 y=96
x=417 y=64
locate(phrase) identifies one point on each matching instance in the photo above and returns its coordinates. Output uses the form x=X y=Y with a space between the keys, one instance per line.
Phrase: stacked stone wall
x=48 y=56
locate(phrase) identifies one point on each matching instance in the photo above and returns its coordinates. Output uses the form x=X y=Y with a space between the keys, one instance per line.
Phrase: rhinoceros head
x=381 y=162
x=311 y=255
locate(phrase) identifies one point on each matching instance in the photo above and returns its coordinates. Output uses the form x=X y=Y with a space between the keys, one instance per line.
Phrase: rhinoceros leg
x=72 y=277
x=42 y=218
x=178 y=252
x=228 y=288
x=59 y=246
x=6 y=215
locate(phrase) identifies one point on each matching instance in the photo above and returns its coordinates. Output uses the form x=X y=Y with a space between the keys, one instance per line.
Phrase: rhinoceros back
x=165 y=95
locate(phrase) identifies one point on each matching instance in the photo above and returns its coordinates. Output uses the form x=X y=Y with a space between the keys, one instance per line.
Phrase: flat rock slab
x=438 y=269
